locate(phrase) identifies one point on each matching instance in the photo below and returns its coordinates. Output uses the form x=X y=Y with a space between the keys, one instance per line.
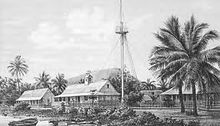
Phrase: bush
x=168 y=102
x=73 y=112
x=194 y=123
x=22 y=106
x=127 y=117
x=190 y=112
x=62 y=109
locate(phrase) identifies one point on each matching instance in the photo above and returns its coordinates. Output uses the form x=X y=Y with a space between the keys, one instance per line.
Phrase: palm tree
x=148 y=85
x=18 y=68
x=59 y=84
x=161 y=55
x=187 y=57
x=43 y=81
x=162 y=85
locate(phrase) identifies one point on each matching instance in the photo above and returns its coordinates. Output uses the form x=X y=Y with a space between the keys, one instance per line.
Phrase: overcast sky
x=73 y=36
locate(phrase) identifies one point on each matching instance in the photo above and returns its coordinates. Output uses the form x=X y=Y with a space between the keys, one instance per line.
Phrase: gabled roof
x=85 y=89
x=175 y=91
x=36 y=94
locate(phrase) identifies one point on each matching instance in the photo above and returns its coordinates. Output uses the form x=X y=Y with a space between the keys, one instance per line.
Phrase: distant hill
x=97 y=75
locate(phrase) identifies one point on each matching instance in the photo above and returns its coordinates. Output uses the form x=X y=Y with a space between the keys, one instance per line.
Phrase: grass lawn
x=205 y=118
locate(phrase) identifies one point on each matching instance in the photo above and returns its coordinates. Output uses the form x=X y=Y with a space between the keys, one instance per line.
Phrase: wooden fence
x=95 y=104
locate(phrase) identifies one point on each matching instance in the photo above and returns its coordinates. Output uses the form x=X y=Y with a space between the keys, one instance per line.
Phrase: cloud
x=204 y=5
x=48 y=35
x=85 y=28
x=136 y=23
x=90 y=23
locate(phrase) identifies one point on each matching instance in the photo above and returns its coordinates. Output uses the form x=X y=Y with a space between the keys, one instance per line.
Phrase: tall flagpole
x=122 y=31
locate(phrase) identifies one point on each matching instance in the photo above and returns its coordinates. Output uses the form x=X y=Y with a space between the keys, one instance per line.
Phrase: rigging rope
x=106 y=64
x=130 y=58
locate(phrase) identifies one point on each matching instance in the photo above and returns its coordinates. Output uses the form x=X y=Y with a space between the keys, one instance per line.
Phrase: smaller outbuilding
x=38 y=98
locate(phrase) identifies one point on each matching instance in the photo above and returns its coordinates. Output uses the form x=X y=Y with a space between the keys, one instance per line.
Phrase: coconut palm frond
x=177 y=55
x=198 y=31
x=177 y=74
x=173 y=27
x=157 y=66
x=211 y=55
x=201 y=45
x=159 y=50
x=164 y=40
x=210 y=68
x=178 y=62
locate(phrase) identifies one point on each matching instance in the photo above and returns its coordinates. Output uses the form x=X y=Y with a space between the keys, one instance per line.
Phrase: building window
x=60 y=99
x=68 y=99
x=78 y=98
x=184 y=97
x=86 y=98
x=190 y=97
x=107 y=85
x=64 y=99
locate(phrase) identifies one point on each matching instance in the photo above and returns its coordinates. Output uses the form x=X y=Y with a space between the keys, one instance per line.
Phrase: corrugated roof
x=85 y=89
x=175 y=91
x=36 y=94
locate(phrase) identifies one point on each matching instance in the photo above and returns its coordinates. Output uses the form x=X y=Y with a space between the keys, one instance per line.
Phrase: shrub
x=194 y=123
x=22 y=106
x=98 y=110
x=63 y=108
x=73 y=112
x=190 y=112
x=168 y=102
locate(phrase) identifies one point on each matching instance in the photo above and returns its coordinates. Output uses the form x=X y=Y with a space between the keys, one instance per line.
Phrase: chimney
x=88 y=78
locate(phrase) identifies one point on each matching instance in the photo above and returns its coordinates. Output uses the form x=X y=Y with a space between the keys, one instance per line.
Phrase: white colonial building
x=90 y=93
x=37 y=98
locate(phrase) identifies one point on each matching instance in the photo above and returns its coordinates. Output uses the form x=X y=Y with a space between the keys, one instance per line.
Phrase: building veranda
x=88 y=94
x=205 y=101
x=38 y=98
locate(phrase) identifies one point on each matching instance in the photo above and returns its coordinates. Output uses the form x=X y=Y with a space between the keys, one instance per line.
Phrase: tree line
x=12 y=87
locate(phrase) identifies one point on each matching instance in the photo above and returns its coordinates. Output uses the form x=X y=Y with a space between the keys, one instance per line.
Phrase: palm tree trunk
x=18 y=83
x=181 y=99
x=194 y=98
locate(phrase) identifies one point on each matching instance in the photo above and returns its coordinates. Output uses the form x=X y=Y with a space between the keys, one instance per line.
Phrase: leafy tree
x=131 y=88
x=183 y=55
x=43 y=81
x=26 y=86
x=59 y=84
x=9 y=92
x=18 y=68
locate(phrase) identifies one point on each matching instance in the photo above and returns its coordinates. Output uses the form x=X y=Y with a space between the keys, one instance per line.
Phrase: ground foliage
x=22 y=107
x=9 y=91
x=125 y=116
